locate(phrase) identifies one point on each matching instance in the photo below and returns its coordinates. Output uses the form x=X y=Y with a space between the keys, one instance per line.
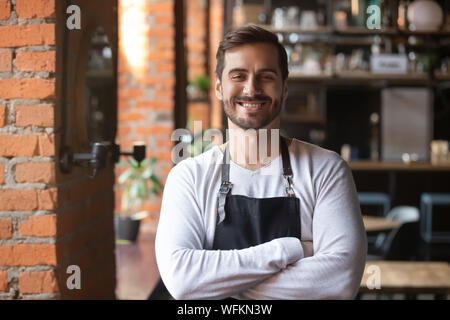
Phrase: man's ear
x=218 y=89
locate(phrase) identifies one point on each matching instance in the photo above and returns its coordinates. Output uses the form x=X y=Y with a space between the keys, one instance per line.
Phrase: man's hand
x=308 y=249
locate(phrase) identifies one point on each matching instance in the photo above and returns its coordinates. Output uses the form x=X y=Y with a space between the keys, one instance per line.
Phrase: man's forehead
x=254 y=55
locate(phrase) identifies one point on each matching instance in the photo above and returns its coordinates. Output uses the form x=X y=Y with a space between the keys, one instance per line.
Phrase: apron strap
x=287 y=170
x=226 y=185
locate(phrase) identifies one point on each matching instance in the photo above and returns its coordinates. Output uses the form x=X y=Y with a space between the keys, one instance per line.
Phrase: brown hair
x=250 y=34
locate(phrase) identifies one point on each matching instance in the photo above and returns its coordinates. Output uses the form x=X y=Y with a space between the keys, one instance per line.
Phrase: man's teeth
x=251 y=105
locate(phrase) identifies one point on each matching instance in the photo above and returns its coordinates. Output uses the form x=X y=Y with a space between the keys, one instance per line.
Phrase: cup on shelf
x=340 y=19
x=308 y=20
x=439 y=152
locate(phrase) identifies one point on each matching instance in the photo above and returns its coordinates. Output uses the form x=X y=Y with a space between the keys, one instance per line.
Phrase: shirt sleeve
x=191 y=272
x=340 y=245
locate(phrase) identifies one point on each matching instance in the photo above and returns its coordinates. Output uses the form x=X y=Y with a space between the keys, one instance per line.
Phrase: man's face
x=252 y=89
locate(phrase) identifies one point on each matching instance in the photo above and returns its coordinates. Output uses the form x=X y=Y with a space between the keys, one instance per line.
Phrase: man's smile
x=248 y=105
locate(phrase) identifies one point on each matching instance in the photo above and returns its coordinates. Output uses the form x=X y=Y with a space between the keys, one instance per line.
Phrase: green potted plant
x=198 y=87
x=138 y=182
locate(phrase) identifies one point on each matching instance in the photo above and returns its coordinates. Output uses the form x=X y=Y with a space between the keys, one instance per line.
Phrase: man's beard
x=242 y=123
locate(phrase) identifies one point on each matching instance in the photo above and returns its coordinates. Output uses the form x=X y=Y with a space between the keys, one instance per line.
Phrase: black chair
x=401 y=243
x=160 y=292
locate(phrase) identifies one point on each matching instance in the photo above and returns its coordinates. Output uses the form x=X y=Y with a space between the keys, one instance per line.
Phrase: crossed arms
x=283 y=268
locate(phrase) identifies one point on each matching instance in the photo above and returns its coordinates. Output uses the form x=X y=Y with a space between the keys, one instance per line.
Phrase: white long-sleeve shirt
x=330 y=218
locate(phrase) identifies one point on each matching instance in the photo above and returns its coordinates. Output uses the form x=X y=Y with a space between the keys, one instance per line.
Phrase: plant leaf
x=142 y=189
x=134 y=163
x=128 y=174
x=134 y=190
x=147 y=173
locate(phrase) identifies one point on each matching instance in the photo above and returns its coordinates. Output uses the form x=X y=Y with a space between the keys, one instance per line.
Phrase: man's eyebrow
x=259 y=71
x=237 y=70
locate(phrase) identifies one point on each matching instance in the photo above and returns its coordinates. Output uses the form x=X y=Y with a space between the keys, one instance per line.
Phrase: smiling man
x=283 y=223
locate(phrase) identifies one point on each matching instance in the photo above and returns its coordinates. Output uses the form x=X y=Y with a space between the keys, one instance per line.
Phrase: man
x=286 y=226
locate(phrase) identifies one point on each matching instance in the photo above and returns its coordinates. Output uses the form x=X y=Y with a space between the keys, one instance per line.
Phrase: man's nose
x=252 y=87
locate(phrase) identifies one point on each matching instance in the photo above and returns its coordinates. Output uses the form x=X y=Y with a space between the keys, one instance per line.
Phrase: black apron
x=243 y=222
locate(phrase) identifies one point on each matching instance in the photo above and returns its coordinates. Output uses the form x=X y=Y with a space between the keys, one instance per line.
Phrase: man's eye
x=268 y=77
x=237 y=77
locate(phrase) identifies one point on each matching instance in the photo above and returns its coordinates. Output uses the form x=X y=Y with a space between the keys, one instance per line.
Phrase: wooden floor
x=137 y=272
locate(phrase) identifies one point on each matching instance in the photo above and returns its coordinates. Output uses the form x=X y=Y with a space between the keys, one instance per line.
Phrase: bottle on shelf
x=374 y=141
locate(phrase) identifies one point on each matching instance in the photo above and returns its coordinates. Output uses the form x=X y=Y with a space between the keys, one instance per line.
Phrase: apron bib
x=244 y=222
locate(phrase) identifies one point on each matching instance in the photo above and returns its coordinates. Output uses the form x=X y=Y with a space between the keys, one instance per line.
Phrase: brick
x=4 y=281
x=5 y=9
x=130 y=93
x=27 y=9
x=155 y=105
x=161 y=55
x=2 y=115
x=27 y=88
x=5 y=229
x=167 y=156
x=160 y=33
x=18 y=200
x=39 y=172
x=5 y=61
x=38 y=226
x=160 y=81
x=162 y=67
x=123 y=105
x=163 y=94
x=15 y=145
x=28 y=255
x=164 y=20
x=47 y=199
x=27 y=35
x=164 y=143
x=154 y=130
x=130 y=117
x=123 y=130
x=38 y=282
x=165 y=43
x=46 y=145
x=36 y=61
x=160 y=7
x=41 y=115
x=2 y=174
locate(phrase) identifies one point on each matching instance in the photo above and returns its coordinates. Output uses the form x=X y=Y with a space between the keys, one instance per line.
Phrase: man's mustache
x=253 y=98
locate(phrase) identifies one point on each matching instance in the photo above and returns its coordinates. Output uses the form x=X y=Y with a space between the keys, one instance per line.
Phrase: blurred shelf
x=396 y=166
x=298 y=29
x=380 y=76
x=360 y=77
x=355 y=31
x=296 y=75
x=366 y=31
x=302 y=119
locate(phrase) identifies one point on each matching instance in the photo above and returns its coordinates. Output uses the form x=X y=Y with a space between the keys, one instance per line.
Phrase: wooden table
x=408 y=277
x=378 y=224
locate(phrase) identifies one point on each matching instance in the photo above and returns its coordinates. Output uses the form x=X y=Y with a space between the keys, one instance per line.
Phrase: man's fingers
x=308 y=248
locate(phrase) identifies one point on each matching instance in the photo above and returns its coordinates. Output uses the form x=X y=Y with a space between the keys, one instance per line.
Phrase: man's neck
x=253 y=149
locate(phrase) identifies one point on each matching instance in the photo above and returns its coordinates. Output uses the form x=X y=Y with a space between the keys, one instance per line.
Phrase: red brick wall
x=216 y=21
x=48 y=220
x=196 y=45
x=146 y=86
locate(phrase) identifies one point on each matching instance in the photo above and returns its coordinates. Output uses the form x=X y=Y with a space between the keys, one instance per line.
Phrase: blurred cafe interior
x=376 y=90
x=370 y=80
